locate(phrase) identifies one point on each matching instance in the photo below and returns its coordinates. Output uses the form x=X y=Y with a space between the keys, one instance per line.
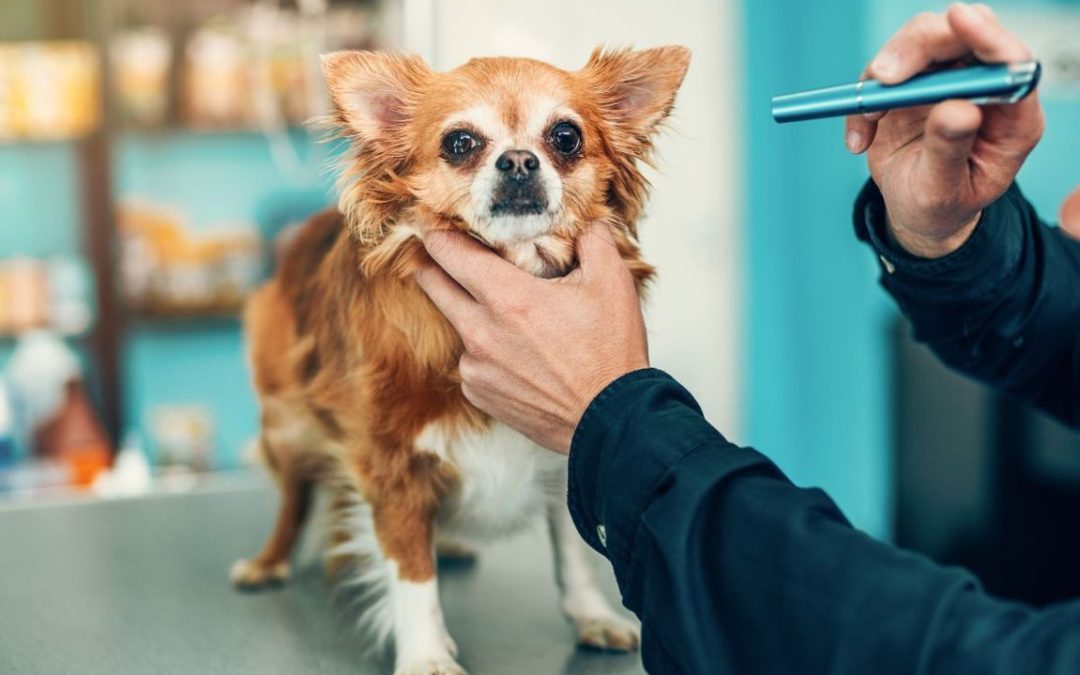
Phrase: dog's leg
x=596 y=623
x=404 y=526
x=271 y=565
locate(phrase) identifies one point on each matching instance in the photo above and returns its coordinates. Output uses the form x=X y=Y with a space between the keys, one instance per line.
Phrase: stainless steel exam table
x=140 y=586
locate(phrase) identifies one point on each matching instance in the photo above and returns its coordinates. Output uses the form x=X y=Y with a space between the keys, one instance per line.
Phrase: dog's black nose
x=517 y=163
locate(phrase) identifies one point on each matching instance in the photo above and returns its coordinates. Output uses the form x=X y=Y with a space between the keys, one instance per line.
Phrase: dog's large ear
x=373 y=92
x=637 y=88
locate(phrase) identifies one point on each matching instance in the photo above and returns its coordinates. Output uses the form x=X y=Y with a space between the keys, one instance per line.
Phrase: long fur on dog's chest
x=503 y=479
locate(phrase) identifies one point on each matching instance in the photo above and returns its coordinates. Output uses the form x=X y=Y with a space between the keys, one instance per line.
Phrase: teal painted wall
x=818 y=382
x=38 y=216
x=817 y=363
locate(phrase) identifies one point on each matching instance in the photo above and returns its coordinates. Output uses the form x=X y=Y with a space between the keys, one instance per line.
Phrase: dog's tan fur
x=351 y=360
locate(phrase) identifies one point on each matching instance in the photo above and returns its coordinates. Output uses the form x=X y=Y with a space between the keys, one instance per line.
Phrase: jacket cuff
x=620 y=453
x=973 y=270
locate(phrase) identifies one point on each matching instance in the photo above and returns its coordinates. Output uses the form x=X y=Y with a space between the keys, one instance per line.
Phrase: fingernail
x=886 y=63
x=854 y=141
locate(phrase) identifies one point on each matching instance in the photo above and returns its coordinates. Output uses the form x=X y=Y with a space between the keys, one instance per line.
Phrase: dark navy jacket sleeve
x=1004 y=308
x=732 y=569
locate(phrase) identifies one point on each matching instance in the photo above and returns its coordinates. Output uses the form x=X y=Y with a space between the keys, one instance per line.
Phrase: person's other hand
x=537 y=351
x=1070 y=214
x=939 y=166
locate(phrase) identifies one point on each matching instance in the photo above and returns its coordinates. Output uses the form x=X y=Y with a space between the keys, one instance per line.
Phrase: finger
x=597 y=252
x=859 y=130
x=1070 y=214
x=931 y=38
x=987 y=39
x=456 y=305
x=859 y=133
x=923 y=41
x=478 y=269
x=950 y=133
x=991 y=42
x=473 y=396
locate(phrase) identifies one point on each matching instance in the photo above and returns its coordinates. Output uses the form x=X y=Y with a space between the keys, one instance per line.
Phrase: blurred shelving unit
x=200 y=153
x=207 y=107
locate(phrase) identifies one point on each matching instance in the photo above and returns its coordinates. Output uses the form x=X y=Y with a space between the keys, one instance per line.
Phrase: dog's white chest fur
x=505 y=479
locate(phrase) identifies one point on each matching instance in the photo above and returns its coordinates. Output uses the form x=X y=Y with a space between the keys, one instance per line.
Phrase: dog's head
x=518 y=153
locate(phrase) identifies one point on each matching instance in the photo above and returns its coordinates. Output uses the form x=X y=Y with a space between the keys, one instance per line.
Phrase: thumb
x=951 y=130
x=1070 y=214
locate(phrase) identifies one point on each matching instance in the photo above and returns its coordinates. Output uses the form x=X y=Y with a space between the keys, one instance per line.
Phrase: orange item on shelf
x=86 y=463
x=75 y=437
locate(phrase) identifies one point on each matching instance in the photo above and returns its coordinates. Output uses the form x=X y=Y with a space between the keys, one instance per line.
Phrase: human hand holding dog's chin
x=537 y=351
x=939 y=166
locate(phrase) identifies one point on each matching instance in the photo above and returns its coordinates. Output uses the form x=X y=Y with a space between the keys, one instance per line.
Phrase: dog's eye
x=565 y=137
x=457 y=144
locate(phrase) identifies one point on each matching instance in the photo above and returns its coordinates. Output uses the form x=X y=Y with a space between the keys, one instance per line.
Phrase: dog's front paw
x=438 y=667
x=607 y=632
x=250 y=575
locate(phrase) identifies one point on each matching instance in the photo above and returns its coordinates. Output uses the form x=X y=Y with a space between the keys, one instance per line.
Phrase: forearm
x=731 y=568
x=1003 y=308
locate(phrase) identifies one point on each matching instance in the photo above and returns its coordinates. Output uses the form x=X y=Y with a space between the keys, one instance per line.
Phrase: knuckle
x=513 y=308
x=469 y=393
x=477 y=341
x=519 y=310
x=468 y=369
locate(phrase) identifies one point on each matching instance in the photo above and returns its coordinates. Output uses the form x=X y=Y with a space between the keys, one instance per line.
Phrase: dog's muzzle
x=519 y=191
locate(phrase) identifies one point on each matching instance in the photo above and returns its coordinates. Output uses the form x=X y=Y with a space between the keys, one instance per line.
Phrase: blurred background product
x=141 y=60
x=182 y=436
x=131 y=474
x=26 y=291
x=36 y=293
x=49 y=90
x=54 y=420
x=169 y=270
x=7 y=435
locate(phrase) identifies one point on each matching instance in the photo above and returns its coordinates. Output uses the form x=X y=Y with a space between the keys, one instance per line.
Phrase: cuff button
x=887 y=264
x=601 y=533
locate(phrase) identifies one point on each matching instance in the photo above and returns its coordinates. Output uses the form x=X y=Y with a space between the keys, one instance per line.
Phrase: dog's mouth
x=519 y=198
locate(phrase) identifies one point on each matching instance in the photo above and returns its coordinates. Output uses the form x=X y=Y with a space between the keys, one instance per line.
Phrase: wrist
x=924 y=246
x=600 y=381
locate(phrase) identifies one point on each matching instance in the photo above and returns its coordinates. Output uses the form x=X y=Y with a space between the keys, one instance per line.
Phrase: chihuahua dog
x=356 y=371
